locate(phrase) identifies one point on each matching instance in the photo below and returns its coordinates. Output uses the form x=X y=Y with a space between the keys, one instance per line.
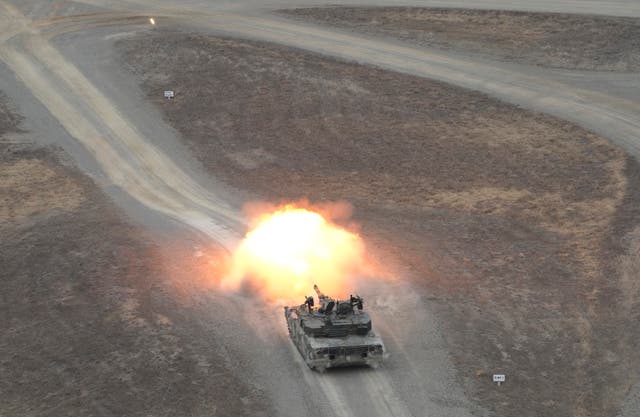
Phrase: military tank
x=335 y=333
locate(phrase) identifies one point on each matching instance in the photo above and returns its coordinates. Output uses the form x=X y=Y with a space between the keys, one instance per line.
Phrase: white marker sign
x=168 y=94
x=499 y=378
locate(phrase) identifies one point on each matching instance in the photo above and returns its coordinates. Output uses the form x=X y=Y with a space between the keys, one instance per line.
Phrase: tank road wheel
x=310 y=359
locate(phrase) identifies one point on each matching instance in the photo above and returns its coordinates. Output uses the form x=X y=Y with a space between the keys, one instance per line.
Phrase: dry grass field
x=95 y=320
x=516 y=226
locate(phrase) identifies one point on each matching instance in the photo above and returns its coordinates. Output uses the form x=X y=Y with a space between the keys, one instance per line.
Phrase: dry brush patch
x=510 y=220
x=29 y=187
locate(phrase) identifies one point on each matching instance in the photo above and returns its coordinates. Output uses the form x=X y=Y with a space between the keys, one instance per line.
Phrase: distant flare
x=152 y=21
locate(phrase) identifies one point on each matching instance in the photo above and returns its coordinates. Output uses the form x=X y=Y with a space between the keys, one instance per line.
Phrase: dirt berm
x=515 y=225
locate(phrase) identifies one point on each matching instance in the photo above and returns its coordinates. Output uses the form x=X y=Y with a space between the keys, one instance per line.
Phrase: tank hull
x=321 y=353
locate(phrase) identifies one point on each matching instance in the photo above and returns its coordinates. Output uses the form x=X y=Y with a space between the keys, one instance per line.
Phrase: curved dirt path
x=156 y=181
x=569 y=95
x=150 y=176
x=130 y=161
x=607 y=103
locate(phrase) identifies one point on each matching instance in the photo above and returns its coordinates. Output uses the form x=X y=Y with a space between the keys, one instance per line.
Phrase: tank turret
x=335 y=333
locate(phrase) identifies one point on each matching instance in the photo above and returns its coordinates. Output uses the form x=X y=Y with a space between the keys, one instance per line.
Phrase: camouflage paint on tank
x=336 y=333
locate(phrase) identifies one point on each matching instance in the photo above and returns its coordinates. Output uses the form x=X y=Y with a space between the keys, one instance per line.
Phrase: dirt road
x=117 y=145
x=569 y=41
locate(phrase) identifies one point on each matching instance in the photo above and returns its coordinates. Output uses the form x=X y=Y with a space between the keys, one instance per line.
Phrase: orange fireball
x=293 y=248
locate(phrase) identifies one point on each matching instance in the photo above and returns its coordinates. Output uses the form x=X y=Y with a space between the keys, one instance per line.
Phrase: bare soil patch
x=95 y=320
x=547 y=39
x=511 y=222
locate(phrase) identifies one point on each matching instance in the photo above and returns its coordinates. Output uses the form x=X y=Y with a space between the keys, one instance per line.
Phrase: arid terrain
x=559 y=40
x=512 y=223
x=95 y=320
x=490 y=159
